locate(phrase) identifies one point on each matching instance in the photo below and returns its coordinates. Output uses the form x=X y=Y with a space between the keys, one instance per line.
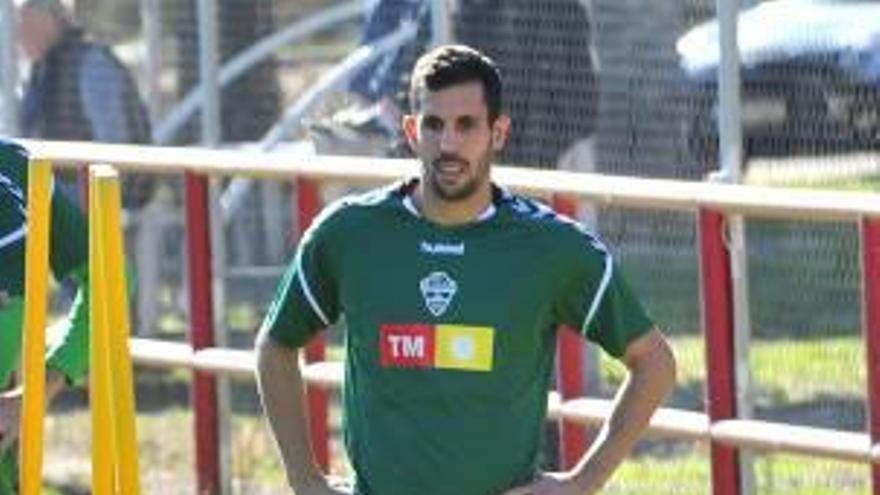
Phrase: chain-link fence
x=613 y=86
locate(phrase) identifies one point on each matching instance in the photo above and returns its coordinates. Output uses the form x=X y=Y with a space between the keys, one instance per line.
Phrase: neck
x=457 y=212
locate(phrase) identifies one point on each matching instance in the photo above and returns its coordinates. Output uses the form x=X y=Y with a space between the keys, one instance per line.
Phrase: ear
x=411 y=130
x=500 y=132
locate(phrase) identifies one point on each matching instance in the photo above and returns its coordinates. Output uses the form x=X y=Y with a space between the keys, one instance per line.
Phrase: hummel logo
x=456 y=249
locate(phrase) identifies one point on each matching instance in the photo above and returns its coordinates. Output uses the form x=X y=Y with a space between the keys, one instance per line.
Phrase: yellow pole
x=36 y=286
x=120 y=356
x=100 y=386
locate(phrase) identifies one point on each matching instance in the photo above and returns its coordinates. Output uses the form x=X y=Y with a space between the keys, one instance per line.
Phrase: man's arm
x=282 y=393
x=10 y=407
x=651 y=365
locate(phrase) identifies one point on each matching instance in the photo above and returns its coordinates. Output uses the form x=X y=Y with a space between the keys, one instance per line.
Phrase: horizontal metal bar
x=806 y=204
x=666 y=422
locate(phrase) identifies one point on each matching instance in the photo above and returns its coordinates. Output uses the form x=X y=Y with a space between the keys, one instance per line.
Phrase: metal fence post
x=441 y=23
x=151 y=21
x=8 y=69
x=871 y=324
x=308 y=205
x=731 y=159
x=211 y=427
x=717 y=307
x=573 y=379
x=198 y=242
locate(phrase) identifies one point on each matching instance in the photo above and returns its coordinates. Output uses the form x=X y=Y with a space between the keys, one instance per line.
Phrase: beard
x=460 y=192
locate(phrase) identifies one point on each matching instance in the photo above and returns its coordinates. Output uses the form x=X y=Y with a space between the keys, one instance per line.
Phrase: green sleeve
x=306 y=301
x=69 y=354
x=13 y=216
x=68 y=257
x=68 y=248
x=10 y=337
x=598 y=301
x=68 y=244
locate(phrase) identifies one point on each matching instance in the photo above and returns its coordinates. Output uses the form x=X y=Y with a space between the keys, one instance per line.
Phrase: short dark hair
x=450 y=65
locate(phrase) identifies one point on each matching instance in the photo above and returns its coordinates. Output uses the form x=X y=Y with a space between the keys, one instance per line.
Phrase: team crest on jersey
x=438 y=289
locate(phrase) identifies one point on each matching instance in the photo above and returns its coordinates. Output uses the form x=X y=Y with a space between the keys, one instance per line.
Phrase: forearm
x=282 y=393
x=69 y=354
x=55 y=382
x=648 y=384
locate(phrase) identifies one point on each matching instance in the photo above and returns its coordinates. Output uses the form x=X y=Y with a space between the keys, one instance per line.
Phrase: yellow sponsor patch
x=463 y=347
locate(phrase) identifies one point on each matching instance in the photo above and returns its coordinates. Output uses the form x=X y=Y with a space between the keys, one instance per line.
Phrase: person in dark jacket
x=78 y=90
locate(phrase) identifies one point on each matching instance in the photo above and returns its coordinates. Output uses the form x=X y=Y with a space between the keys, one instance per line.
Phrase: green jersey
x=68 y=257
x=450 y=332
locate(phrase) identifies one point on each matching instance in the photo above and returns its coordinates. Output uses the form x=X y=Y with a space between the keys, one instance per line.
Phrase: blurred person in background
x=78 y=90
x=67 y=357
x=371 y=125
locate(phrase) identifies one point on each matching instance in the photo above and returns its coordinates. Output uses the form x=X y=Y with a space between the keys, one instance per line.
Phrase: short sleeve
x=69 y=229
x=306 y=301
x=597 y=300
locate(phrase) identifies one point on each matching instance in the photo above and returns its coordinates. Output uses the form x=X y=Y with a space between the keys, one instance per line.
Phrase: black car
x=810 y=78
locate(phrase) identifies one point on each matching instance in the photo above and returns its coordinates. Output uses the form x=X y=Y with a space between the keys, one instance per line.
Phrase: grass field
x=776 y=475
x=797 y=369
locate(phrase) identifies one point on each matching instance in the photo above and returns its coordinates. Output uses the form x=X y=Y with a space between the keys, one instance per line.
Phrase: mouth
x=450 y=167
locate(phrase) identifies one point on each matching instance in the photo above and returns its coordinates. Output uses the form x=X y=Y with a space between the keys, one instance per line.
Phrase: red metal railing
x=871 y=325
x=571 y=379
x=308 y=199
x=717 y=303
x=204 y=391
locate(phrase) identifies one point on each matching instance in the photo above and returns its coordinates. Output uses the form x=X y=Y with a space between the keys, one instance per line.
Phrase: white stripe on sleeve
x=13 y=236
x=308 y=291
x=600 y=293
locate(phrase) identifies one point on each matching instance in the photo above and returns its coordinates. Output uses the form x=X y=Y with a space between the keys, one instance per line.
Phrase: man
x=452 y=289
x=68 y=356
x=78 y=90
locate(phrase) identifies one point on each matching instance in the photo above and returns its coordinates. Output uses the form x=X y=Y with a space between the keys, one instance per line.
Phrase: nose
x=450 y=140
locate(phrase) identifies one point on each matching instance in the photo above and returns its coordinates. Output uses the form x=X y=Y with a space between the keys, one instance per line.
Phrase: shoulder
x=542 y=217
x=10 y=150
x=354 y=210
x=543 y=220
x=99 y=60
x=13 y=159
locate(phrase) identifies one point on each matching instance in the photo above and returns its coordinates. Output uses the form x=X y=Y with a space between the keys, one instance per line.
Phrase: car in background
x=810 y=79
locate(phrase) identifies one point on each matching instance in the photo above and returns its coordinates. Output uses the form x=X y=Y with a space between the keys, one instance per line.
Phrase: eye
x=432 y=123
x=466 y=124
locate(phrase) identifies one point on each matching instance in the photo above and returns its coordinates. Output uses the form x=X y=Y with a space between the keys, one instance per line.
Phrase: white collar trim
x=410 y=206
